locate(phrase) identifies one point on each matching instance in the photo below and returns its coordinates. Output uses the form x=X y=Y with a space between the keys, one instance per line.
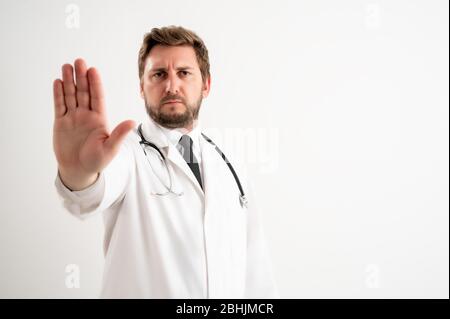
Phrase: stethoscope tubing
x=242 y=198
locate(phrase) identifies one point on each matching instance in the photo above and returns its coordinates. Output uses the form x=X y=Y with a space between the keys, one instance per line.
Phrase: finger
x=69 y=87
x=96 y=91
x=58 y=99
x=118 y=134
x=82 y=84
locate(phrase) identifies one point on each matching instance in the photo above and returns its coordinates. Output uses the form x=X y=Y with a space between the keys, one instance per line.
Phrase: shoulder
x=129 y=148
x=132 y=139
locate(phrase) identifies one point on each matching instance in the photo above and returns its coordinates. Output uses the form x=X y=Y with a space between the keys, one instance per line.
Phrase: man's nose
x=172 y=83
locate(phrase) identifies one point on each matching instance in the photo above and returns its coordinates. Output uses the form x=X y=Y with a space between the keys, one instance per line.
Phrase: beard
x=166 y=117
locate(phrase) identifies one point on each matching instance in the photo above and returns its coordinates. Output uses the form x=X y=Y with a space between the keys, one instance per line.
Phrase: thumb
x=118 y=134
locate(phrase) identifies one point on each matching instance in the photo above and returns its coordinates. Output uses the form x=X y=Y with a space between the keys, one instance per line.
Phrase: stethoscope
x=169 y=189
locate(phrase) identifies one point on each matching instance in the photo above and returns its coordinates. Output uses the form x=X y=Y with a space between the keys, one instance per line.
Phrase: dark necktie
x=188 y=155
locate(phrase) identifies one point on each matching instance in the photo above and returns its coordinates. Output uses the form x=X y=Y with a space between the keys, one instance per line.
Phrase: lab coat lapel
x=212 y=165
x=154 y=134
x=175 y=157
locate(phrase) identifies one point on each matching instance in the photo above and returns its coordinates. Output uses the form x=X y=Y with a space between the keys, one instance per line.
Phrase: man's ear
x=206 y=87
x=141 y=88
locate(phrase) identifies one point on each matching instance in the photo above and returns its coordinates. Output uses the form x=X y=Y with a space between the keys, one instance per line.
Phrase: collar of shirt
x=174 y=135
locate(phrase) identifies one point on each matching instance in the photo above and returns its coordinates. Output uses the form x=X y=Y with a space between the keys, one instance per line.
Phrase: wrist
x=76 y=181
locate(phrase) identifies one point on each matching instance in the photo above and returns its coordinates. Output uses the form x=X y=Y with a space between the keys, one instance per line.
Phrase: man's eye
x=158 y=74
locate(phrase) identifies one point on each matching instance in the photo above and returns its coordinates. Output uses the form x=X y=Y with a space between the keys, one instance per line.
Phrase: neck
x=187 y=128
x=184 y=129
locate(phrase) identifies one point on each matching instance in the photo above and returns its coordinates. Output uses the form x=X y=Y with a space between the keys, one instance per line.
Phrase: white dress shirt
x=174 y=136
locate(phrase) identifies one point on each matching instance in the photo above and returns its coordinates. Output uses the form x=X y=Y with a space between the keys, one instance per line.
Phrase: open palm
x=81 y=140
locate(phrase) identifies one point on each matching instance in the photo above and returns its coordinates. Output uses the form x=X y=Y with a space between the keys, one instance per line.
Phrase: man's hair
x=174 y=36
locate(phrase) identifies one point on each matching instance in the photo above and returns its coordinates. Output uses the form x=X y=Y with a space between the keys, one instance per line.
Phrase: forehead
x=162 y=56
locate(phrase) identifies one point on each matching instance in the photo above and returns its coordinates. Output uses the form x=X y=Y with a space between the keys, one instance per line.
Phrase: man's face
x=172 y=73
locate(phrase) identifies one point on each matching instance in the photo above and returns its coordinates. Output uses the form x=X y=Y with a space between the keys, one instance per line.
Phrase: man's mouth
x=172 y=101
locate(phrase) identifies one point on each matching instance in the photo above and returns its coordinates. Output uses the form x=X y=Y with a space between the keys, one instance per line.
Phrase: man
x=177 y=224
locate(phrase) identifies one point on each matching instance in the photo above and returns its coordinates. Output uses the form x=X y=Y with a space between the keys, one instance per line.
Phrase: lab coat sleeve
x=260 y=281
x=109 y=187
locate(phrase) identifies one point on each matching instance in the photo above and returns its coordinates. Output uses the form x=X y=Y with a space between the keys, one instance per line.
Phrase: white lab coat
x=198 y=245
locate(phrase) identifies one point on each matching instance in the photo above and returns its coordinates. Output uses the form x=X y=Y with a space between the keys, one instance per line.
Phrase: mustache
x=172 y=97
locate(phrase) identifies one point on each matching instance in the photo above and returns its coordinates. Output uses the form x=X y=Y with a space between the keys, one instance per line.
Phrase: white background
x=344 y=102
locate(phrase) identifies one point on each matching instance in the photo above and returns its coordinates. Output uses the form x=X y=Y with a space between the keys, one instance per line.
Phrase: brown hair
x=174 y=36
